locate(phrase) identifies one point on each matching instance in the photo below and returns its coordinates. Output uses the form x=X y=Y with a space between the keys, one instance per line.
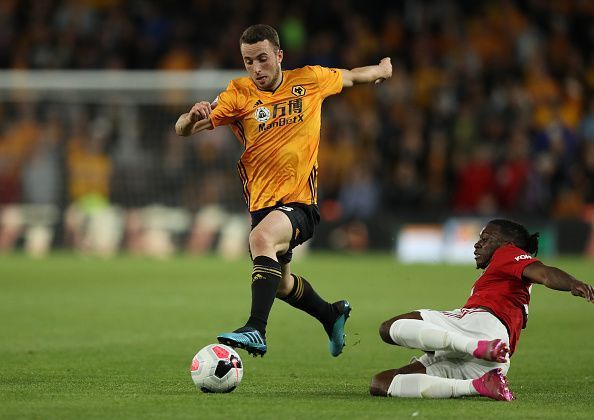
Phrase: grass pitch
x=88 y=338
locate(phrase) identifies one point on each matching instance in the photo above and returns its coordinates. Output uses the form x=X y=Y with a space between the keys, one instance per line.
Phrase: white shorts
x=476 y=323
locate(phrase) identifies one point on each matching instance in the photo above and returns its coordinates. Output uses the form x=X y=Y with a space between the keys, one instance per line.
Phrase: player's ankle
x=251 y=327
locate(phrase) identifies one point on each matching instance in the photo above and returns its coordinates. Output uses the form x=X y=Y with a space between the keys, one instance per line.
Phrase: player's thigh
x=274 y=230
x=478 y=324
x=459 y=368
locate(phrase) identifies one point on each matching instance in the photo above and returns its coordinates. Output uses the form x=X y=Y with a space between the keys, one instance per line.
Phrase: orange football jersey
x=280 y=131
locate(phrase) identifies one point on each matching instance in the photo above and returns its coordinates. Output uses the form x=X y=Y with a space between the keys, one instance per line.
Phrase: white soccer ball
x=216 y=368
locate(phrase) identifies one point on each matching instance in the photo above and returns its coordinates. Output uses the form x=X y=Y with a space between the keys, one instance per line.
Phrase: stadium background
x=489 y=113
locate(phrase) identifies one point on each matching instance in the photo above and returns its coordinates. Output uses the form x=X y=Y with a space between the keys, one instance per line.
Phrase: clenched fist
x=200 y=111
x=386 y=67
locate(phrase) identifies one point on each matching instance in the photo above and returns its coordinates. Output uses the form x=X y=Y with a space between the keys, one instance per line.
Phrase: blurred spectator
x=359 y=195
x=172 y=171
x=490 y=107
x=403 y=190
x=133 y=164
x=512 y=173
x=179 y=57
x=588 y=158
x=586 y=128
x=16 y=145
x=43 y=172
x=537 y=197
x=436 y=193
x=475 y=190
x=92 y=225
x=89 y=167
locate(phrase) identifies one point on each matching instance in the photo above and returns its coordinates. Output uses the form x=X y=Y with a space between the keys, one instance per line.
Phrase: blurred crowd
x=490 y=109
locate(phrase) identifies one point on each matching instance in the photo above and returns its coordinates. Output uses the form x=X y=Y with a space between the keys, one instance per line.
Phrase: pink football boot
x=493 y=351
x=493 y=384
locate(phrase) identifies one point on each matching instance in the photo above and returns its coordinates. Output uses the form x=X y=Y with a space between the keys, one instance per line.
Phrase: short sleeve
x=512 y=260
x=227 y=108
x=329 y=80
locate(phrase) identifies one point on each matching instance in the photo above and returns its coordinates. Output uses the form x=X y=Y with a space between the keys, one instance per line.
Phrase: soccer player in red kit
x=467 y=350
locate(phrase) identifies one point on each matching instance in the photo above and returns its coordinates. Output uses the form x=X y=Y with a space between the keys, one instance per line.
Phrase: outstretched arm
x=557 y=279
x=368 y=74
x=196 y=120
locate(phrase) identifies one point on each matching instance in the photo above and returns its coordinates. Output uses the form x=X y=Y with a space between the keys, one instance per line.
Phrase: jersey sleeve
x=329 y=80
x=227 y=109
x=512 y=260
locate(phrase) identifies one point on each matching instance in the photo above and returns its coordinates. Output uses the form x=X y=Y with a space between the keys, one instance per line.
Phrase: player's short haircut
x=518 y=235
x=260 y=32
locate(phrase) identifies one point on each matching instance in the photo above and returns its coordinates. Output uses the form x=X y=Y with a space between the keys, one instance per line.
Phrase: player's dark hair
x=260 y=32
x=518 y=235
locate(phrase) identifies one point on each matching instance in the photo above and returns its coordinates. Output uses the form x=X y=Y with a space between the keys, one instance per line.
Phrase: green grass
x=90 y=338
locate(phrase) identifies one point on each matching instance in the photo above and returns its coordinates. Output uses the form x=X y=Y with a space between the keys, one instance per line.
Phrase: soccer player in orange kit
x=276 y=115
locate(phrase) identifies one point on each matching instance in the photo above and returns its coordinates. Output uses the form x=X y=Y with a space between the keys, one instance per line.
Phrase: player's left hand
x=385 y=66
x=584 y=290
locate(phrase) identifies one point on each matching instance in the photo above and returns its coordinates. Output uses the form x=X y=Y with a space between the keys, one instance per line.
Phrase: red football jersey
x=502 y=289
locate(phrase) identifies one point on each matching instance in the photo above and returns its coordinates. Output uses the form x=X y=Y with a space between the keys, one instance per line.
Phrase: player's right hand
x=200 y=111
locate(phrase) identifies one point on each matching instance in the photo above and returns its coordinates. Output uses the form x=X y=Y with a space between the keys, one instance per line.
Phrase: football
x=216 y=368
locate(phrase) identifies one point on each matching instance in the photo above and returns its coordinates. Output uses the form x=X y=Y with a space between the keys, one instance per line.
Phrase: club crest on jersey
x=298 y=90
x=262 y=114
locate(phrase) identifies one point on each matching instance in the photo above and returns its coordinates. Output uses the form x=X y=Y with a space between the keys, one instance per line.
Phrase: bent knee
x=260 y=240
x=380 y=383
x=384 y=331
x=377 y=388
